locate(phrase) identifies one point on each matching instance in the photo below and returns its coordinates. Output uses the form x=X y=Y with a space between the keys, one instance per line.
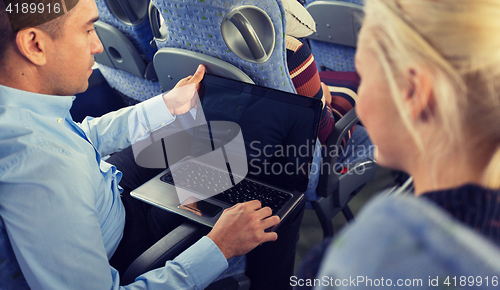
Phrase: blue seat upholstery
x=331 y=56
x=132 y=87
x=135 y=88
x=196 y=26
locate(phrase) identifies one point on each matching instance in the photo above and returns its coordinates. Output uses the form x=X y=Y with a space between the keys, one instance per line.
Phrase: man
x=62 y=217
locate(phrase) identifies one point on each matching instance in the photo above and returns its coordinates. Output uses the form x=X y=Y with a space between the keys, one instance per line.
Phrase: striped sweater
x=307 y=82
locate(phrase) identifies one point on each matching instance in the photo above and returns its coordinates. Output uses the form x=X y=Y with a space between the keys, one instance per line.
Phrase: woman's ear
x=32 y=44
x=419 y=96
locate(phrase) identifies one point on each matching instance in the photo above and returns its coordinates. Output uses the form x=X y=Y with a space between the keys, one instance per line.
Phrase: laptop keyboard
x=199 y=178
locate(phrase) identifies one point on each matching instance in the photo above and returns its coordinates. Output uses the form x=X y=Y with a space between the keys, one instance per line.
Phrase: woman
x=429 y=99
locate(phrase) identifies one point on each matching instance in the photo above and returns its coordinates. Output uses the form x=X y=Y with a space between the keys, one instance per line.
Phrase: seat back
x=246 y=34
x=346 y=165
x=341 y=179
x=337 y=24
x=126 y=62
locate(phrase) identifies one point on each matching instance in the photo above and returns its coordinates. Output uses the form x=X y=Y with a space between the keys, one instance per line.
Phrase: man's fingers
x=198 y=75
x=269 y=237
x=270 y=222
x=264 y=212
x=253 y=204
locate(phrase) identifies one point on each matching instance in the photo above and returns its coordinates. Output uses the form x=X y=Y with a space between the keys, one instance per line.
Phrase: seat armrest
x=342 y=127
x=328 y=181
x=354 y=180
x=165 y=249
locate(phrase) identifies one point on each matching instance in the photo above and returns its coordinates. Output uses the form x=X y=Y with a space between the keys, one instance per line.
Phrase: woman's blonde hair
x=457 y=42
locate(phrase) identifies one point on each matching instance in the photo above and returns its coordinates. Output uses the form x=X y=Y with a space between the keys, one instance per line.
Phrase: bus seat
x=247 y=35
x=337 y=185
x=346 y=162
x=126 y=61
x=337 y=24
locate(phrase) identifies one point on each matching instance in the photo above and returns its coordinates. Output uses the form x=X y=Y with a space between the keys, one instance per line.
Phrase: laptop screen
x=279 y=129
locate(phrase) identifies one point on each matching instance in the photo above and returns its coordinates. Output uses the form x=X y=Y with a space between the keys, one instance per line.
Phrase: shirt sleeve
x=118 y=130
x=147 y=117
x=195 y=268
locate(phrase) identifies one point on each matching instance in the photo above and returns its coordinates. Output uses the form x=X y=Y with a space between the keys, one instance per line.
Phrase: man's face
x=70 y=57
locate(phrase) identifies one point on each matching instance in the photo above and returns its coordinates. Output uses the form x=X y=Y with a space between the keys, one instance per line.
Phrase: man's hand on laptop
x=241 y=228
x=184 y=95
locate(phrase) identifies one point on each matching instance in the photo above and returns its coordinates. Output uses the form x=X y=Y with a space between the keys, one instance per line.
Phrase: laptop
x=259 y=142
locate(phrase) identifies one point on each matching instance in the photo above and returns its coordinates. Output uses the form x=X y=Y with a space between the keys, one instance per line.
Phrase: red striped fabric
x=307 y=82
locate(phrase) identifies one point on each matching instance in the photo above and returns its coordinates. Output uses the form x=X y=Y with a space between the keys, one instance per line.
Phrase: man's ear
x=32 y=44
x=419 y=96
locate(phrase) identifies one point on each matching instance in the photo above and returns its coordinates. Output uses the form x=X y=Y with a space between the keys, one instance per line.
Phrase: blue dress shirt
x=61 y=216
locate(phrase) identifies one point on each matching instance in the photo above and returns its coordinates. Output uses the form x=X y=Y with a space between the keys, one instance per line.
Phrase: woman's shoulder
x=404 y=237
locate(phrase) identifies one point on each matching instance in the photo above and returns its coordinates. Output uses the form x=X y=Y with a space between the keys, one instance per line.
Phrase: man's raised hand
x=184 y=95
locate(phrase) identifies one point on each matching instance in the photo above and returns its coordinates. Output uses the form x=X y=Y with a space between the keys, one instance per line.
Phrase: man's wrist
x=219 y=245
x=170 y=110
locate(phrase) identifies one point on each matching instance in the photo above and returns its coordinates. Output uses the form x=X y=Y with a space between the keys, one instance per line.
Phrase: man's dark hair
x=6 y=35
x=11 y=24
